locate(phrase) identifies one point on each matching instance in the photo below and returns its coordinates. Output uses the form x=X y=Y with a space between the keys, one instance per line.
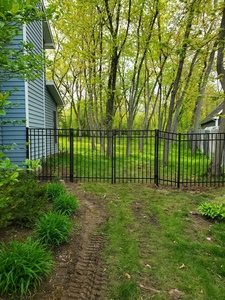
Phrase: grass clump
x=212 y=210
x=65 y=204
x=53 y=228
x=54 y=190
x=23 y=266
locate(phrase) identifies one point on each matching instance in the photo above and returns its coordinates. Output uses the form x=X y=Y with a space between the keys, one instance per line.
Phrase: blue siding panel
x=9 y=133
x=36 y=98
x=50 y=108
x=15 y=133
x=36 y=107
x=39 y=110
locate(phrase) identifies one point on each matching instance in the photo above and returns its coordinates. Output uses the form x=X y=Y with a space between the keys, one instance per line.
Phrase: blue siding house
x=37 y=100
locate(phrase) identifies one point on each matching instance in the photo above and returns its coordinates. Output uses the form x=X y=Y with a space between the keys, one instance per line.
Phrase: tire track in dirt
x=86 y=277
x=86 y=282
x=79 y=271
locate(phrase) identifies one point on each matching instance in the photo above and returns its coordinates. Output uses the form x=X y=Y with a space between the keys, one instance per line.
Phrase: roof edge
x=47 y=33
x=54 y=93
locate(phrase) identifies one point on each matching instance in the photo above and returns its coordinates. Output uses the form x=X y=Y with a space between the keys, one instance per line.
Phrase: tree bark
x=113 y=26
x=177 y=81
x=219 y=147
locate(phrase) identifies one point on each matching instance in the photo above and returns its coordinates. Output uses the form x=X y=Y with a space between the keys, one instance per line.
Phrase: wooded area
x=137 y=64
x=134 y=64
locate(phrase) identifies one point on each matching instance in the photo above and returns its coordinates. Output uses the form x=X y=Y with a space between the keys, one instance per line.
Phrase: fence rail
x=117 y=156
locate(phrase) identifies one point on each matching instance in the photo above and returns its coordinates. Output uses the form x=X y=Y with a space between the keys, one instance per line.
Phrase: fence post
x=113 y=157
x=156 y=161
x=27 y=143
x=178 y=163
x=71 y=155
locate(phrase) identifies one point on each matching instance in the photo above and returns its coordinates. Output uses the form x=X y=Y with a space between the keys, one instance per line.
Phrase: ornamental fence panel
x=119 y=156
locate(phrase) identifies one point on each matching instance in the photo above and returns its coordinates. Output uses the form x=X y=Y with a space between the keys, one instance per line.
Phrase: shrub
x=54 y=190
x=53 y=228
x=5 y=212
x=27 y=200
x=8 y=171
x=65 y=204
x=212 y=210
x=22 y=266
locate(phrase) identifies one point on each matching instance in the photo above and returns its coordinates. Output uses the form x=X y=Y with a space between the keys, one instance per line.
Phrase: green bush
x=8 y=171
x=27 y=200
x=53 y=228
x=5 y=211
x=212 y=210
x=65 y=204
x=23 y=266
x=54 y=190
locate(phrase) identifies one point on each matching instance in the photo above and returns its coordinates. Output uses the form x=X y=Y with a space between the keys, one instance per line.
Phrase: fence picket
x=79 y=155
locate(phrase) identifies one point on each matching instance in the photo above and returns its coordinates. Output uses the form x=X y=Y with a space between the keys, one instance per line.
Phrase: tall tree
x=217 y=159
x=135 y=59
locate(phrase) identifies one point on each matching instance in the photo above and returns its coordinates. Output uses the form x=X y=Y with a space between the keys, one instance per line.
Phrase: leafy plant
x=54 y=190
x=53 y=228
x=5 y=211
x=8 y=171
x=65 y=204
x=22 y=266
x=27 y=200
x=32 y=164
x=212 y=210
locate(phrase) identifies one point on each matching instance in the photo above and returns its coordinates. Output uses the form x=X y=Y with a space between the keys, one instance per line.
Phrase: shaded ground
x=79 y=270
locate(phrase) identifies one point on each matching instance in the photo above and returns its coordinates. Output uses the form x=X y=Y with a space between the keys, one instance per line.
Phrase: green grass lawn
x=157 y=247
x=91 y=162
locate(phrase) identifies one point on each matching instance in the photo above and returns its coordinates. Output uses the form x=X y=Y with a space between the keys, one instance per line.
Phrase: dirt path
x=79 y=271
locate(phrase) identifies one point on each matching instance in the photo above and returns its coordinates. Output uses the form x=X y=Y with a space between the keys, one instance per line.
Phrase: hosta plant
x=53 y=228
x=65 y=204
x=212 y=210
x=23 y=266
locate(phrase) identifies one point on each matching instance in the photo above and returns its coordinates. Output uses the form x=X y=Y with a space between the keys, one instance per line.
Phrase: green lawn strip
x=93 y=162
x=122 y=251
x=178 y=260
x=152 y=237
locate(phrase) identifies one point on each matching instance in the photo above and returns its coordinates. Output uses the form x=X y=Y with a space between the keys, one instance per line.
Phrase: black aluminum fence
x=128 y=156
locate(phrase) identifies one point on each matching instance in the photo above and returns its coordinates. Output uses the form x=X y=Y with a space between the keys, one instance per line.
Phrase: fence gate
x=149 y=156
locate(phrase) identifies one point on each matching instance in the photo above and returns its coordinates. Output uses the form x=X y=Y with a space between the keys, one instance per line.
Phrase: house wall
x=51 y=119
x=35 y=109
x=36 y=106
x=30 y=97
x=43 y=142
x=50 y=109
x=35 y=91
x=10 y=133
x=206 y=141
x=208 y=124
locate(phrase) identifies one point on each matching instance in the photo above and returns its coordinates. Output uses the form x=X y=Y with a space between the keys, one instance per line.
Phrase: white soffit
x=54 y=93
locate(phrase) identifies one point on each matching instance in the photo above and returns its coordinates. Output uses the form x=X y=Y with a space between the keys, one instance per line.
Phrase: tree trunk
x=113 y=19
x=202 y=87
x=219 y=147
x=177 y=81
